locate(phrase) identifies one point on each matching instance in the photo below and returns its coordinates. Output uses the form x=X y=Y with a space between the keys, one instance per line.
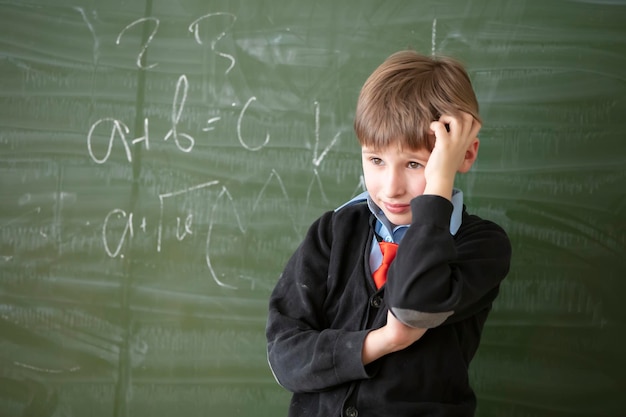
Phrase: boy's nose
x=394 y=184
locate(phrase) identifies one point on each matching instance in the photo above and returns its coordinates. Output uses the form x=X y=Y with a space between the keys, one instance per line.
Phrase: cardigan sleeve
x=304 y=354
x=437 y=277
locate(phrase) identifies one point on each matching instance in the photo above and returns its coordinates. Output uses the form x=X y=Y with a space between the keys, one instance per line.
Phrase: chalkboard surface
x=161 y=159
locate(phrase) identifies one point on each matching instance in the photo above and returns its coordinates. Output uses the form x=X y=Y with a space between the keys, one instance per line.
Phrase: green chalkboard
x=161 y=159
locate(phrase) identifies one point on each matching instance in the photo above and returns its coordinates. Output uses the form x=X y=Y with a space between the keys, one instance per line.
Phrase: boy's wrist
x=442 y=187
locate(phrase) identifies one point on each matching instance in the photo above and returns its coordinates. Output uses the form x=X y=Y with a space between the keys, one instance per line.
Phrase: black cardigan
x=325 y=303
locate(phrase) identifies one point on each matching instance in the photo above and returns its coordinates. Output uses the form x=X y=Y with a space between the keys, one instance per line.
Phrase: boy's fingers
x=475 y=128
x=438 y=128
x=465 y=124
x=447 y=119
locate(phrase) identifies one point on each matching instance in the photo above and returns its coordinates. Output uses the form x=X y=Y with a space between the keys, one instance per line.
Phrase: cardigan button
x=351 y=412
x=376 y=301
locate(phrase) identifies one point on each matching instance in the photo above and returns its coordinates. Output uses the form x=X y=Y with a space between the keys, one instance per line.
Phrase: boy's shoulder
x=359 y=199
x=348 y=220
x=475 y=221
x=356 y=206
x=348 y=216
x=493 y=236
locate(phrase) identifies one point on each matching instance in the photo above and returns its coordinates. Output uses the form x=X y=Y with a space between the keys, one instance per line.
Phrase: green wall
x=160 y=160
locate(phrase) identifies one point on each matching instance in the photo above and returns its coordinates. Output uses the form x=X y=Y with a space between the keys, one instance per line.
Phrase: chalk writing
x=145 y=45
x=194 y=27
x=127 y=230
x=223 y=193
x=317 y=159
x=113 y=245
x=120 y=130
x=433 y=38
x=120 y=226
x=163 y=197
x=275 y=176
x=209 y=123
x=96 y=42
x=243 y=143
x=177 y=109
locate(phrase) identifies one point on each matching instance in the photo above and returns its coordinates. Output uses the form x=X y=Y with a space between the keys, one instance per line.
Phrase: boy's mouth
x=397 y=208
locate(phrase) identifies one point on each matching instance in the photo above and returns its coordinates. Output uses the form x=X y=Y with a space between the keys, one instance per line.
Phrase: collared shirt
x=392 y=233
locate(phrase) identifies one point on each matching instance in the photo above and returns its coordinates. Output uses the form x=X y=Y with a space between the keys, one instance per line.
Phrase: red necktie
x=389 y=252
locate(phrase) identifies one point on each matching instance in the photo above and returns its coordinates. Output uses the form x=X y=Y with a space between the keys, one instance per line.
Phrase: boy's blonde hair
x=405 y=94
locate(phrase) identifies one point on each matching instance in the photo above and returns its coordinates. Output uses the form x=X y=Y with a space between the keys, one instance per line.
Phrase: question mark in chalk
x=145 y=45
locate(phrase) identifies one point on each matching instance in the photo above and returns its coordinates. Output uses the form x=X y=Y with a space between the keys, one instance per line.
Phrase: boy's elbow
x=275 y=367
x=419 y=319
x=287 y=374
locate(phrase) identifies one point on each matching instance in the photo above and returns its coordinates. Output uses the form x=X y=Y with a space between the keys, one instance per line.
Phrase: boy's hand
x=456 y=146
x=392 y=337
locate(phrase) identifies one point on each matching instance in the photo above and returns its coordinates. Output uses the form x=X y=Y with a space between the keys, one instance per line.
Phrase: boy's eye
x=376 y=161
x=414 y=165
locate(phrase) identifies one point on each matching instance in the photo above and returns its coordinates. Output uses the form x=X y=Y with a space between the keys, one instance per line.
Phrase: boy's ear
x=470 y=156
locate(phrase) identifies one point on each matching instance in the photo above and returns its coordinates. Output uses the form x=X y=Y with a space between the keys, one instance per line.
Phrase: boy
x=342 y=339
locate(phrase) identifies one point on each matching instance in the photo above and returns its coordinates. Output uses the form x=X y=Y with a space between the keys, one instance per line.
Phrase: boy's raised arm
x=455 y=150
x=437 y=275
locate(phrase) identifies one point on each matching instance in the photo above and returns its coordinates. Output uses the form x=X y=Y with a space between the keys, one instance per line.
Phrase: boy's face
x=393 y=177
